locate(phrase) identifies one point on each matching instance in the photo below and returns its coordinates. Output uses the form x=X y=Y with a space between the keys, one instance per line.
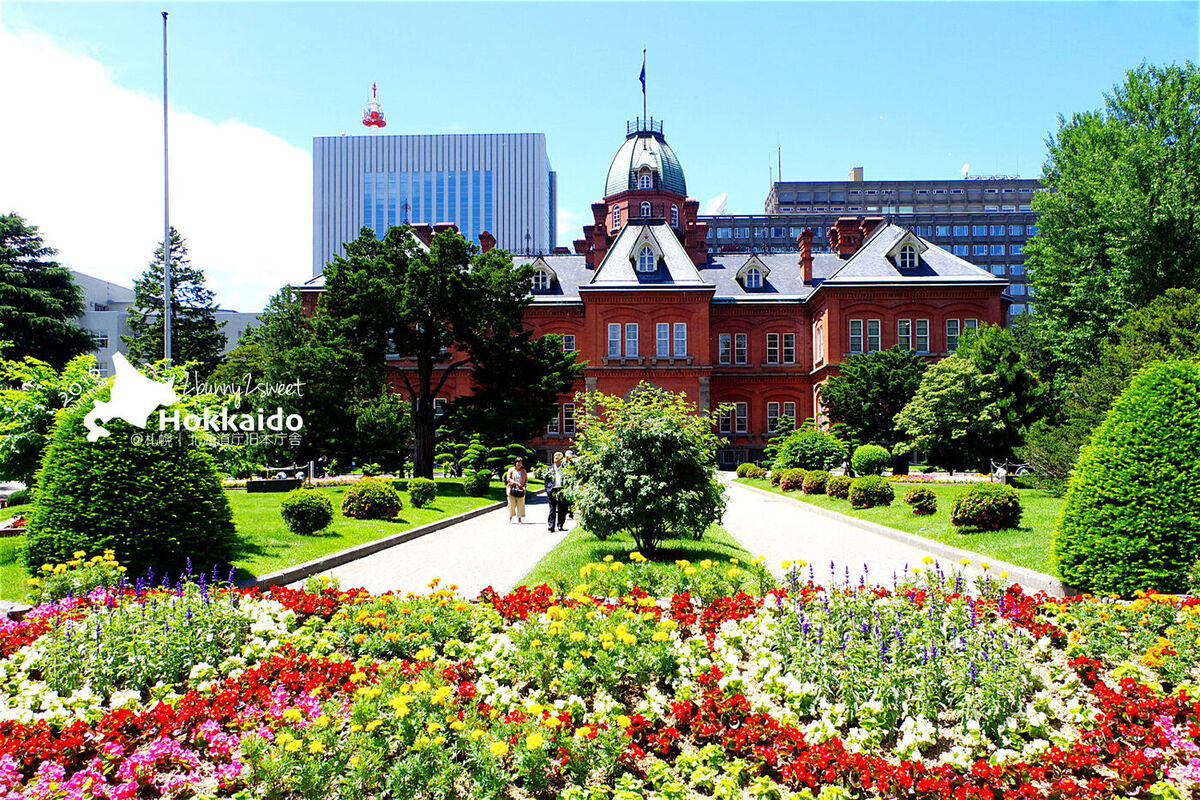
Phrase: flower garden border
x=1032 y=580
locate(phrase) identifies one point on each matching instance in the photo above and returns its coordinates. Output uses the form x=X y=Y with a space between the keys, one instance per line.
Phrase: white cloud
x=81 y=158
x=716 y=205
x=570 y=225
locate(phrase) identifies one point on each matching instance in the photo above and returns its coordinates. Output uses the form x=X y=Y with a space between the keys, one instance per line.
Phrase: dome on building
x=645 y=148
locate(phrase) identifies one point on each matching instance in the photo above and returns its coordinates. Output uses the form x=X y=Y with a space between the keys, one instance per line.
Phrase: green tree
x=1120 y=223
x=809 y=447
x=953 y=417
x=646 y=467
x=39 y=299
x=195 y=333
x=783 y=429
x=31 y=392
x=870 y=391
x=384 y=429
x=442 y=311
x=1020 y=398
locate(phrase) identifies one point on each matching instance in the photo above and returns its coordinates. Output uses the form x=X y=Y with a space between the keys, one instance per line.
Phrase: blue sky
x=907 y=90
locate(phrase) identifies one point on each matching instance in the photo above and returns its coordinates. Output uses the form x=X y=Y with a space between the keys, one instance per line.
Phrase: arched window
x=645 y=179
x=908 y=257
x=645 y=209
x=541 y=280
x=646 y=260
x=753 y=278
x=616 y=222
x=674 y=216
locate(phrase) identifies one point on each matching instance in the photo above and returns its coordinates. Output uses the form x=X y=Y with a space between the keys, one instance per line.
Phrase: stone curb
x=1029 y=579
x=309 y=568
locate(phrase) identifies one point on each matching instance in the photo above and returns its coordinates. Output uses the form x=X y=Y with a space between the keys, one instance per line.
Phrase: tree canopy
x=195 y=333
x=31 y=392
x=1120 y=223
x=870 y=391
x=953 y=417
x=39 y=299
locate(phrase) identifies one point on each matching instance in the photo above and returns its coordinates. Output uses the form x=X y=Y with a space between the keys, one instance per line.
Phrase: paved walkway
x=484 y=551
x=780 y=530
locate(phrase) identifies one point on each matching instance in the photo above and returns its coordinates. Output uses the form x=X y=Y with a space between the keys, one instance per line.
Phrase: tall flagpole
x=167 y=309
x=643 y=85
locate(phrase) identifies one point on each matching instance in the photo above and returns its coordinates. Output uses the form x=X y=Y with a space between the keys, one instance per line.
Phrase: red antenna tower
x=373 y=114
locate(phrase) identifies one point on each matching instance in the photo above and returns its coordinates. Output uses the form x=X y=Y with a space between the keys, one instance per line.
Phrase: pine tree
x=38 y=299
x=195 y=333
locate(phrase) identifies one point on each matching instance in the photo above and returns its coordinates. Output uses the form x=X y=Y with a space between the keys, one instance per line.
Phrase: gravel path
x=484 y=551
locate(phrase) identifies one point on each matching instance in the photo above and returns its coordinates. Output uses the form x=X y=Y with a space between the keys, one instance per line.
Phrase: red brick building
x=642 y=299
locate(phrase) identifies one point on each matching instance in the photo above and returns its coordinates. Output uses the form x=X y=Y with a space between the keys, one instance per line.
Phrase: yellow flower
x=985 y=565
x=293 y=746
x=608 y=558
x=355 y=728
x=373 y=724
x=421 y=686
x=689 y=571
x=457 y=725
x=660 y=636
x=32 y=582
x=583 y=731
x=1003 y=575
x=576 y=636
x=567 y=665
x=47 y=567
x=534 y=741
x=316 y=747
x=321 y=721
x=927 y=560
x=358 y=677
x=552 y=722
x=78 y=554
x=285 y=737
x=359 y=638
x=624 y=721
x=786 y=565
x=964 y=561
x=433 y=727
x=733 y=573
x=498 y=749
x=354 y=761
x=292 y=715
x=476 y=735
x=585 y=654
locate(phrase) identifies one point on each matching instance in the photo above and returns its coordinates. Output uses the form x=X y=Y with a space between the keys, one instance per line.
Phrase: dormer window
x=616 y=219
x=674 y=216
x=645 y=209
x=754 y=278
x=541 y=280
x=645 y=179
x=908 y=257
x=647 y=261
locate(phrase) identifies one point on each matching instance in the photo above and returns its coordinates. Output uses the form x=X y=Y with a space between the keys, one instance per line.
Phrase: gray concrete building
x=986 y=219
x=497 y=182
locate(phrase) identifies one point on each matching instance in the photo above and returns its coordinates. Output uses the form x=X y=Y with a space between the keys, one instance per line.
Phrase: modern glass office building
x=497 y=182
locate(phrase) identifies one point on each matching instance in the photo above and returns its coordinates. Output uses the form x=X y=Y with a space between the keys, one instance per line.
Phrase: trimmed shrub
x=774 y=476
x=839 y=486
x=815 y=481
x=869 y=491
x=870 y=459
x=810 y=448
x=476 y=484
x=19 y=498
x=792 y=480
x=306 y=511
x=756 y=472
x=1131 y=519
x=922 y=499
x=743 y=469
x=152 y=505
x=421 y=492
x=371 y=499
x=987 y=507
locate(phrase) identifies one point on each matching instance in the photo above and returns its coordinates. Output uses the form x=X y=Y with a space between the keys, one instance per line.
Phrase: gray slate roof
x=936 y=265
x=674 y=267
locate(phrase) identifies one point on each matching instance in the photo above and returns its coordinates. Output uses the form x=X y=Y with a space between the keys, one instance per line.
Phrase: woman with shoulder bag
x=515 y=481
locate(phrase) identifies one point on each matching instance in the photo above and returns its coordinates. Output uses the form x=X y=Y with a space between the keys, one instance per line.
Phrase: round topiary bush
x=869 y=491
x=19 y=498
x=815 y=481
x=154 y=505
x=922 y=499
x=810 y=448
x=987 y=507
x=1131 y=519
x=870 y=459
x=421 y=492
x=306 y=511
x=476 y=484
x=839 y=486
x=756 y=472
x=792 y=480
x=743 y=469
x=371 y=499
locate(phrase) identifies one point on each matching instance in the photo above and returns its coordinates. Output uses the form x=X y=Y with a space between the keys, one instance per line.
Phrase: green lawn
x=560 y=567
x=1030 y=545
x=266 y=543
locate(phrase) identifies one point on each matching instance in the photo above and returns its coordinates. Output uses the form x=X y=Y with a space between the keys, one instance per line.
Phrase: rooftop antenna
x=168 y=306
x=373 y=114
x=779 y=156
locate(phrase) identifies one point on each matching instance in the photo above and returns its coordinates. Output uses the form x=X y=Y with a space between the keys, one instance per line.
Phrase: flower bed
x=926 y=688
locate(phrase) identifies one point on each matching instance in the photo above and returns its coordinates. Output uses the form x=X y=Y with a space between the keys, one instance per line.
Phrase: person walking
x=567 y=459
x=515 y=481
x=558 y=503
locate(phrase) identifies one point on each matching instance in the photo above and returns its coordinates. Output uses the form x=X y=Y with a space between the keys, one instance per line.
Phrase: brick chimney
x=869 y=224
x=846 y=236
x=804 y=241
x=424 y=232
x=486 y=241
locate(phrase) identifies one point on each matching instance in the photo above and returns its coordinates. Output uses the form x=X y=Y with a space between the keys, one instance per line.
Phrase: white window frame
x=647 y=260
x=772 y=416
x=674 y=216
x=970 y=326
x=541 y=280
x=953 y=330
x=680 y=340
x=662 y=339
x=789 y=411
x=616 y=217
x=645 y=179
x=725 y=422
x=772 y=348
x=904 y=334
x=874 y=335
x=754 y=278
x=787 y=353
x=631 y=339
x=724 y=348
x=568 y=423
x=908 y=257
x=741 y=348
x=856 y=333
x=741 y=417
x=645 y=208
x=614 y=340
x=818 y=342
x=921 y=335
x=568 y=343
x=554 y=426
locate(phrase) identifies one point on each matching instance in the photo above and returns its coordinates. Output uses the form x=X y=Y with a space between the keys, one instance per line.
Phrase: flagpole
x=166 y=214
x=644 y=120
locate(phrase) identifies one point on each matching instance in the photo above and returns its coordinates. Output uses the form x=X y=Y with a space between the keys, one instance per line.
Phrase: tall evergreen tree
x=38 y=299
x=195 y=333
x=871 y=389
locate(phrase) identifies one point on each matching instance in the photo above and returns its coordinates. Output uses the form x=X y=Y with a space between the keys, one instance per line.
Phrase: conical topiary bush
x=1132 y=514
x=156 y=505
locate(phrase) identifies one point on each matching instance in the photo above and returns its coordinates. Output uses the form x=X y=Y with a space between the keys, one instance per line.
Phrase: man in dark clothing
x=558 y=503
